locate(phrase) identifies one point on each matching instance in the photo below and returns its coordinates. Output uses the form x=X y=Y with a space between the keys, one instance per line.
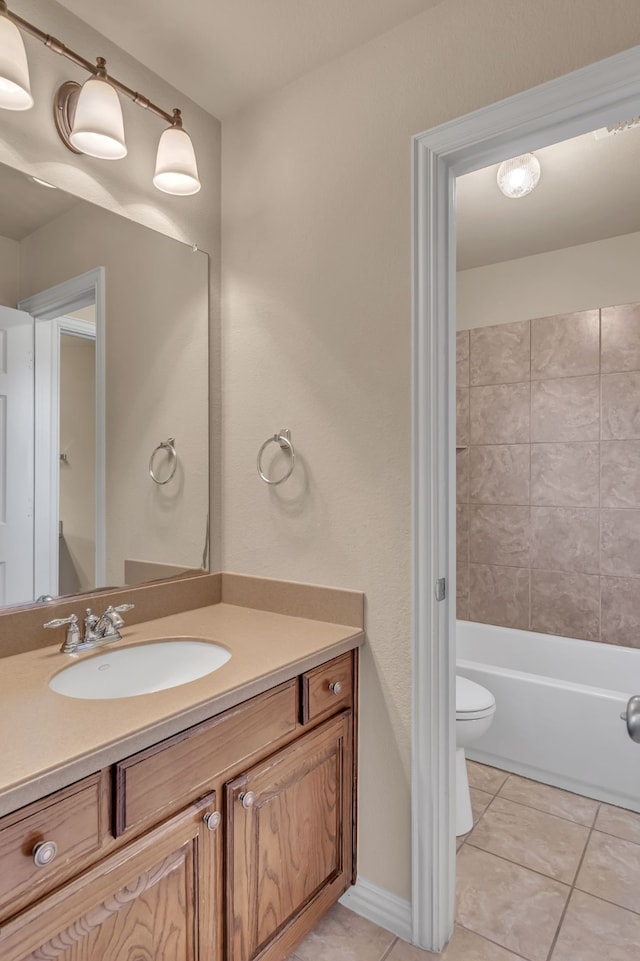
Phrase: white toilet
x=475 y=707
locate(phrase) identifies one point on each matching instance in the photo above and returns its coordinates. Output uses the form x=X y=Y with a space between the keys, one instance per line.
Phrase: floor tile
x=622 y=824
x=508 y=904
x=593 y=930
x=542 y=842
x=480 y=801
x=485 y=778
x=611 y=870
x=345 y=935
x=464 y=946
x=553 y=800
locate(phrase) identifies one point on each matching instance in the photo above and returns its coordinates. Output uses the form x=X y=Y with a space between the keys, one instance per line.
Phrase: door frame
x=571 y=105
x=51 y=305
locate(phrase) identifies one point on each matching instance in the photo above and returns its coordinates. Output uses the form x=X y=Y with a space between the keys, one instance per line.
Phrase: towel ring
x=284 y=440
x=170 y=446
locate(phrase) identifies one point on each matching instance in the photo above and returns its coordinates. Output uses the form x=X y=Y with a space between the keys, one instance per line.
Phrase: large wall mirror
x=104 y=349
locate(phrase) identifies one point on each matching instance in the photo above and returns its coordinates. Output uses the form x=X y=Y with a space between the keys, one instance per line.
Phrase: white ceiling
x=224 y=54
x=26 y=205
x=589 y=189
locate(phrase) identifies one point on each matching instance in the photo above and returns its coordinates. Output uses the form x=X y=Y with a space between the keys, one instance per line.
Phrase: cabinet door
x=154 y=899
x=288 y=840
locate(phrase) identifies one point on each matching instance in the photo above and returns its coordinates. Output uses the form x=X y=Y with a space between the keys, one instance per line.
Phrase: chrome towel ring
x=170 y=447
x=283 y=438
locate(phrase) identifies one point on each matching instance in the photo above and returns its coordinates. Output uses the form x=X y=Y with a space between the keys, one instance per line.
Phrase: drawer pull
x=44 y=853
x=336 y=688
x=248 y=799
x=212 y=820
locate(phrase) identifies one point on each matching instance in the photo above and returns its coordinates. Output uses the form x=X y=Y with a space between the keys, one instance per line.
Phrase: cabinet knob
x=248 y=799
x=44 y=853
x=212 y=820
x=336 y=688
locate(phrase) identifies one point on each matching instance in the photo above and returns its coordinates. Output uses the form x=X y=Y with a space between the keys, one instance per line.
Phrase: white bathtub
x=558 y=704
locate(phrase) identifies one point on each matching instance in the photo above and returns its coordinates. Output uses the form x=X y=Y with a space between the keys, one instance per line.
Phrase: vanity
x=213 y=820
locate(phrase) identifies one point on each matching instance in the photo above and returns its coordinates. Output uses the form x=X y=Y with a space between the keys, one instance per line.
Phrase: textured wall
x=316 y=330
x=548 y=515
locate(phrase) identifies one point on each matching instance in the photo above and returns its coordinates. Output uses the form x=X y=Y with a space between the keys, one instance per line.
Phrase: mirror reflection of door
x=77 y=460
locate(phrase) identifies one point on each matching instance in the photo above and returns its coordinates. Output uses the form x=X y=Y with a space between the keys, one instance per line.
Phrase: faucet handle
x=121 y=608
x=60 y=621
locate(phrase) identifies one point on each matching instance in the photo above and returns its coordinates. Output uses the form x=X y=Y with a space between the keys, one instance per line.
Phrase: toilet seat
x=472 y=700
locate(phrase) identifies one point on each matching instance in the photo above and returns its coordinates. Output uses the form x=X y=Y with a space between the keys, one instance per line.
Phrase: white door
x=16 y=456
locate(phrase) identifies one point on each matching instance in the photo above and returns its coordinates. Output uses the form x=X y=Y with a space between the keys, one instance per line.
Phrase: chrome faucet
x=97 y=630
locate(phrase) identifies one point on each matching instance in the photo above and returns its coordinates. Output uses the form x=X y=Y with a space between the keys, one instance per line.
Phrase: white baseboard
x=380 y=906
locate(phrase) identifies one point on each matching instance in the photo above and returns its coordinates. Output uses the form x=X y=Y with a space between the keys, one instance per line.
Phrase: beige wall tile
x=593 y=930
x=517 y=908
x=462 y=415
x=462 y=531
x=567 y=409
x=565 y=345
x=501 y=414
x=620 y=607
x=499 y=595
x=534 y=839
x=565 y=475
x=462 y=358
x=565 y=604
x=462 y=590
x=620 y=333
x=565 y=539
x=611 y=870
x=462 y=476
x=622 y=824
x=501 y=354
x=550 y=799
x=621 y=406
x=499 y=536
x=620 y=473
x=620 y=543
x=500 y=474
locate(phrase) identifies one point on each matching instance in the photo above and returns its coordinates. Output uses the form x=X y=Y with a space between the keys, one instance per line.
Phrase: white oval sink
x=141 y=669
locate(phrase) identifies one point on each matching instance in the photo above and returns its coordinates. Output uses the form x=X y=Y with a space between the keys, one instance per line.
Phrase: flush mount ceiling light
x=518 y=176
x=88 y=117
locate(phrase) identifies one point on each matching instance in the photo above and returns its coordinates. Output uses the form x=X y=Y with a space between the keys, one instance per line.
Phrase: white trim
x=80 y=291
x=379 y=906
x=567 y=107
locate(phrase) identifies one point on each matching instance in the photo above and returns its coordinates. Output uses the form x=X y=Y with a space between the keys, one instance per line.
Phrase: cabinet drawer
x=328 y=688
x=164 y=778
x=73 y=819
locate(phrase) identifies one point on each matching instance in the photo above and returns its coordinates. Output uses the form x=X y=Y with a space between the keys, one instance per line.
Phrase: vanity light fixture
x=89 y=116
x=518 y=176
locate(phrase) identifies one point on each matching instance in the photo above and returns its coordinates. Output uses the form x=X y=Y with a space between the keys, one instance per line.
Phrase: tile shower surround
x=548 y=475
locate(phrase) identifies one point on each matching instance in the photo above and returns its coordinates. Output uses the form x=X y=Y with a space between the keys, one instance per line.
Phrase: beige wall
x=316 y=227
x=560 y=281
x=9 y=255
x=29 y=142
x=157 y=375
x=77 y=474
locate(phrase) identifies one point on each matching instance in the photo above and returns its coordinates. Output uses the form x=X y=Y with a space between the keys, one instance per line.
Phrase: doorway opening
x=570 y=106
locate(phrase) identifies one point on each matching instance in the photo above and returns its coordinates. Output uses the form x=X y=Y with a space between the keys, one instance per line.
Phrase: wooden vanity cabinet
x=151 y=899
x=227 y=841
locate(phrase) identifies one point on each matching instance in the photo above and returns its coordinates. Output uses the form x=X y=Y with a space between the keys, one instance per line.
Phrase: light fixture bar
x=60 y=48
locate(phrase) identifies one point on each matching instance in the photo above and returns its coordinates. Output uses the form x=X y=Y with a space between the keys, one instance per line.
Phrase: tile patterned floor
x=544 y=875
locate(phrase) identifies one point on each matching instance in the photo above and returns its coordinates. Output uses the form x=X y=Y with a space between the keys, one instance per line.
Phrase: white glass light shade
x=176 y=168
x=15 y=88
x=517 y=177
x=98 y=127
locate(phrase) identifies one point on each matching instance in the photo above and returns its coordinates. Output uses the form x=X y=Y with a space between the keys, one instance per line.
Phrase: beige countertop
x=48 y=741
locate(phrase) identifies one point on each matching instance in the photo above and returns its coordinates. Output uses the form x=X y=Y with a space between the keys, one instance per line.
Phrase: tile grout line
x=573 y=887
x=519 y=957
x=387 y=951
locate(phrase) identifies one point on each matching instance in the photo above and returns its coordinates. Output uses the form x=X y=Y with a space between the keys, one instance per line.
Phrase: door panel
x=289 y=835
x=16 y=456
